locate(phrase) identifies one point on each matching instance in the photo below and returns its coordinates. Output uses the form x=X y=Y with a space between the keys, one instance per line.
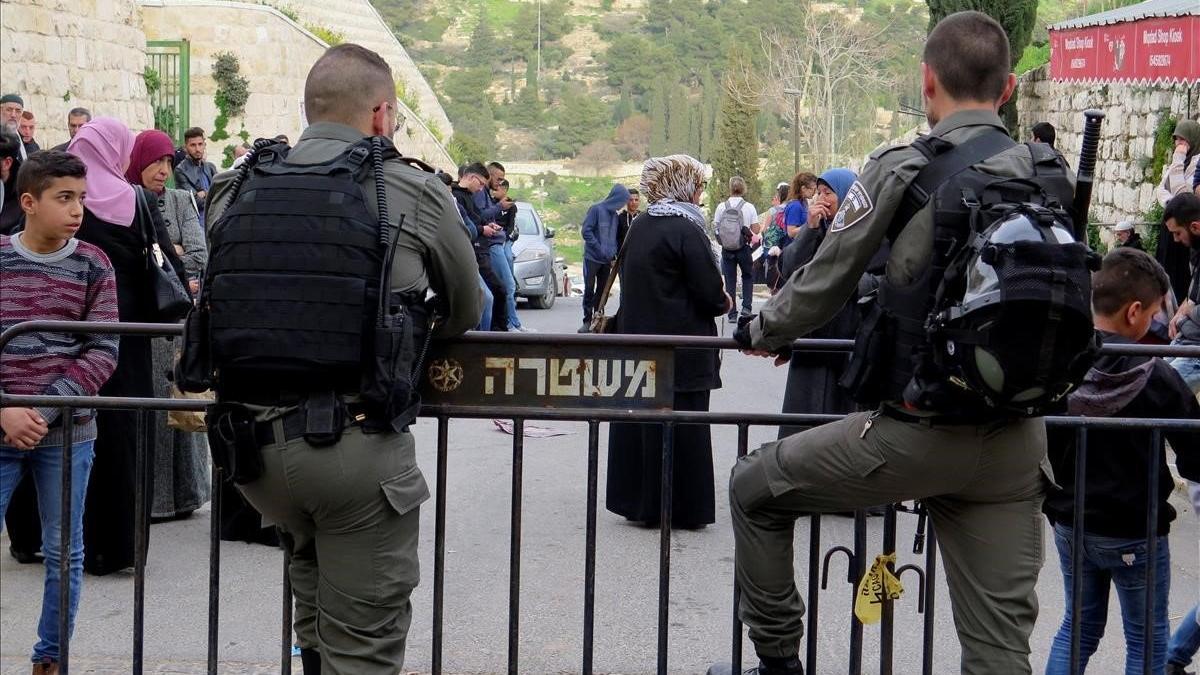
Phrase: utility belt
x=972 y=419
x=236 y=438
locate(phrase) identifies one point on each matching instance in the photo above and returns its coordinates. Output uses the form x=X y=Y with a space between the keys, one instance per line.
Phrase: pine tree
x=1018 y=18
x=658 y=121
x=735 y=152
x=624 y=107
x=709 y=106
x=679 y=110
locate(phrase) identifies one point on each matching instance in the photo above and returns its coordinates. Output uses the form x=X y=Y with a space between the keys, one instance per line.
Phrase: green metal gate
x=168 y=80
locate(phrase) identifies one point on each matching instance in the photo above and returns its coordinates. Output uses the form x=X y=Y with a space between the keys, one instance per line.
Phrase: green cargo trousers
x=983 y=486
x=349 y=516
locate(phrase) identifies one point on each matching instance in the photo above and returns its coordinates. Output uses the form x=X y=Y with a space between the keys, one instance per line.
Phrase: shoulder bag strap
x=612 y=273
x=942 y=168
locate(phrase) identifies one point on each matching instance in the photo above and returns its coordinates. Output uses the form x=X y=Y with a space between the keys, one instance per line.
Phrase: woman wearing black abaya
x=113 y=222
x=668 y=259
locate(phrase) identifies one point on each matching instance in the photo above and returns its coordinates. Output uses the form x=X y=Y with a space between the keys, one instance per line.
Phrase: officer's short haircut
x=80 y=112
x=496 y=165
x=737 y=185
x=194 y=132
x=346 y=78
x=1128 y=275
x=1183 y=209
x=41 y=168
x=1044 y=132
x=969 y=53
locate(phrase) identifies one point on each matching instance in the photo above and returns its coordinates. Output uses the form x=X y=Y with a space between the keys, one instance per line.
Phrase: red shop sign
x=1148 y=50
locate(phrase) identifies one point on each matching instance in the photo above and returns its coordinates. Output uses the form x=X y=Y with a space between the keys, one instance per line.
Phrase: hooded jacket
x=1118 y=459
x=1179 y=174
x=600 y=226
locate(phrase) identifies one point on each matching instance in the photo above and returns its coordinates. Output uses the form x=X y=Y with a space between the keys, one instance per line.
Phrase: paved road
x=552 y=575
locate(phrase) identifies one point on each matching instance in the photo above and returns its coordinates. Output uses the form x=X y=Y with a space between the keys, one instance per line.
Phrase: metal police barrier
x=599 y=378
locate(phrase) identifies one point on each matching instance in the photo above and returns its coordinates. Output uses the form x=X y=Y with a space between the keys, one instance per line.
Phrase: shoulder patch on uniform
x=855 y=208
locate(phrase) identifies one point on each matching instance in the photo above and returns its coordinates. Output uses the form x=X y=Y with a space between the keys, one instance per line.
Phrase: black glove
x=742 y=335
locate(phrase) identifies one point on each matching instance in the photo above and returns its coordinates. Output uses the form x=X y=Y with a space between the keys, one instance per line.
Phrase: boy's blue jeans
x=1120 y=563
x=47 y=464
x=1185 y=642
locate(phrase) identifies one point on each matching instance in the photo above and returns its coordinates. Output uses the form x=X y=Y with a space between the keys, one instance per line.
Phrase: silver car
x=534 y=263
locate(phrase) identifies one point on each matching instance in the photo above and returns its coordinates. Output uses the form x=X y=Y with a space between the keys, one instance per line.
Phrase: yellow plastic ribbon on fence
x=877 y=584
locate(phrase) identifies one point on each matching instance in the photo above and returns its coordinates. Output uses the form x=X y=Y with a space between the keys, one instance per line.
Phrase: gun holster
x=233 y=443
x=324 y=419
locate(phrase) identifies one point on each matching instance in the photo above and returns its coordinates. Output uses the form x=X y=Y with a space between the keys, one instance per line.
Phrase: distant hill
x=605 y=63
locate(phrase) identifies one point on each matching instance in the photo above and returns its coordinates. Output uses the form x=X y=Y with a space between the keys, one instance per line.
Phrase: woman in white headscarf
x=672 y=287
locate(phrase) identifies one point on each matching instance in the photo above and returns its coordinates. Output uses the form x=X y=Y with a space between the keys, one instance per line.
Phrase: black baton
x=1087 y=169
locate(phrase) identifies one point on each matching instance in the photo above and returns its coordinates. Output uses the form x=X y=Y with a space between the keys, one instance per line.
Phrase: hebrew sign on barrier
x=550 y=376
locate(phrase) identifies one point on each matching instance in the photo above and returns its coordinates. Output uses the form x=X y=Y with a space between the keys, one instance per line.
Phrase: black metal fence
x=483 y=347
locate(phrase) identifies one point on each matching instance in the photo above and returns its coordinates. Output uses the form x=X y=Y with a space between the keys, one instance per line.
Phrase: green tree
x=581 y=120
x=679 y=113
x=710 y=104
x=658 y=121
x=736 y=150
x=1016 y=16
x=624 y=107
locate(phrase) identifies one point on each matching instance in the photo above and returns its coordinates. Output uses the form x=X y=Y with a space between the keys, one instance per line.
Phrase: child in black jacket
x=1126 y=293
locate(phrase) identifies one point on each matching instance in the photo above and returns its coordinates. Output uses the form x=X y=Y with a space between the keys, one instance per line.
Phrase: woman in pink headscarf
x=180 y=471
x=112 y=221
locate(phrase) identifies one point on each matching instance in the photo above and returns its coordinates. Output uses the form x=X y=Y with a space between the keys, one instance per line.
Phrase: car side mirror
x=549 y=233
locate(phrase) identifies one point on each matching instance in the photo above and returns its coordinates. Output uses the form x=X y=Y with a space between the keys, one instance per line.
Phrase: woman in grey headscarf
x=672 y=286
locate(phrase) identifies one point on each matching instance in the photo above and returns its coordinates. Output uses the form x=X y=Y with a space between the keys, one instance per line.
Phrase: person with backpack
x=1127 y=292
x=309 y=339
x=961 y=432
x=732 y=222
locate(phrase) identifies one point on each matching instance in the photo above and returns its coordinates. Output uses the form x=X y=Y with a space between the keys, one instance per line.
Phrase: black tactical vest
x=892 y=360
x=293 y=280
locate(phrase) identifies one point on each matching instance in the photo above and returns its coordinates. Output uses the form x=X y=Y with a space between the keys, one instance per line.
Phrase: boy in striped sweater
x=46 y=274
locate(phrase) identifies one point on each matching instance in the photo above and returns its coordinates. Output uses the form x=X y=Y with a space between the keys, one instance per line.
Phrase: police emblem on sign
x=855 y=207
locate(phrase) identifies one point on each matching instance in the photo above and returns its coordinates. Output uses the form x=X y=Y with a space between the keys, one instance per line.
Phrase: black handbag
x=171 y=299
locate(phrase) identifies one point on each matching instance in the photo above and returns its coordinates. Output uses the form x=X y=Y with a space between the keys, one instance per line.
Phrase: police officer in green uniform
x=982 y=481
x=349 y=510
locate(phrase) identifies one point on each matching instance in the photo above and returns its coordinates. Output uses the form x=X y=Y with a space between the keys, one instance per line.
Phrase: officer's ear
x=929 y=81
x=1010 y=86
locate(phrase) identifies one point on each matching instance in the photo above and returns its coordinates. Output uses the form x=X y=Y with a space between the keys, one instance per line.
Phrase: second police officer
x=981 y=476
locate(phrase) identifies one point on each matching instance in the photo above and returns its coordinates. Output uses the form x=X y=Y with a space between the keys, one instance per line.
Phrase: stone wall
x=360 y=23
x=53 y=55
x=274 y=54
x=1132 y=113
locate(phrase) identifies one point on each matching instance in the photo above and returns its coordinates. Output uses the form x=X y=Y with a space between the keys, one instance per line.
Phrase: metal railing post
x=65 y=552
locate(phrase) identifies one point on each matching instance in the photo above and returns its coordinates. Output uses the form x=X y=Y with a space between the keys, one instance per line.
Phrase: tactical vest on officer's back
x=930 y=344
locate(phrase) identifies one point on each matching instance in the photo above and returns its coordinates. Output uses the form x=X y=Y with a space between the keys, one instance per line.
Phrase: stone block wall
x=274 y=54
x=60 y=54
x=1132 y=113
x=360 y=23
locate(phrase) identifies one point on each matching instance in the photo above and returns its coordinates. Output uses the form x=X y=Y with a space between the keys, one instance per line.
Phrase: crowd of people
x=85 y=229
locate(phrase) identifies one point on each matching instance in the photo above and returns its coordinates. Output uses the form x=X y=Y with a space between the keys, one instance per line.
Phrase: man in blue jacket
x=600 y=247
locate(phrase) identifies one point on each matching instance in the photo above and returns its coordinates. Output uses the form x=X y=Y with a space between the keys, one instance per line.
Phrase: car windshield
x=525 y=223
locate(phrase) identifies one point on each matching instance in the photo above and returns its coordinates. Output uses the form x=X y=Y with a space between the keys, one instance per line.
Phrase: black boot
x=311 y=660
x=777 y=666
